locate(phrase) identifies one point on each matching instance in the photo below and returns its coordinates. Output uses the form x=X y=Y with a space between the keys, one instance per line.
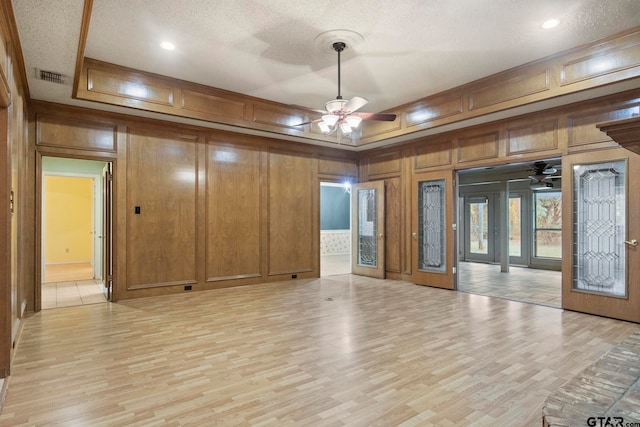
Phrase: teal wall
x=334 y=208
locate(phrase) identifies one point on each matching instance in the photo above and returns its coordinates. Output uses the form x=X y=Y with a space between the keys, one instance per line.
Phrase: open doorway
x=532 y=220
x=335 y=229
x=72 y=224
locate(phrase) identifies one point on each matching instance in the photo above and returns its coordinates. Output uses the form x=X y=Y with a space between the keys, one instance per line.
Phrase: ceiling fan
x=543 y=175
x=339 y=115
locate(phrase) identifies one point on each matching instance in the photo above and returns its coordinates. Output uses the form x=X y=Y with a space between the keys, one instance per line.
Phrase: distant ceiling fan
x=543 y=175
x=340 y=113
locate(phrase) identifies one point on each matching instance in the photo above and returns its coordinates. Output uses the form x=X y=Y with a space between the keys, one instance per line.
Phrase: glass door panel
x=600 y=228
x=601 y=273
x=547 y=236
x=367 y=228
x=432 y=254
x=515 y=226
x=367 y=200
x=479 y=227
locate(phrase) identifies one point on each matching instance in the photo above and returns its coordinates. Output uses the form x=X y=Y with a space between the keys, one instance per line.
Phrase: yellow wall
x=68 y=221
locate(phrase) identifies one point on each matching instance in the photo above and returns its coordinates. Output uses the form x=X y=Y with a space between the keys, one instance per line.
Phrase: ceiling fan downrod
x=339 y=47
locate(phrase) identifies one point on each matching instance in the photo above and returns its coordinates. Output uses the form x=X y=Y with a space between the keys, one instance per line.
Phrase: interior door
x=367 y=207
x=107 y=267
x=601 y=257
x=433 y=233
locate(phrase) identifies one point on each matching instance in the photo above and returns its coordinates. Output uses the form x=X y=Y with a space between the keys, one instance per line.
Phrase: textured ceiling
x=265 y=48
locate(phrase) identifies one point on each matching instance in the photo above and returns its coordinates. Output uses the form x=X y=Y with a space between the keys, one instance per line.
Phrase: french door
x=368 y=240
x=432 y=228
x=481 y=228
x=601 y=268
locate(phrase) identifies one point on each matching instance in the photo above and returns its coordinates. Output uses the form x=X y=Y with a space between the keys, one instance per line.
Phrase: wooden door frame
x=37 y=303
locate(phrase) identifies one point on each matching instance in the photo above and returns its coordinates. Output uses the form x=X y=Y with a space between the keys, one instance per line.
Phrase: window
x=515 y=226
x=548 y=224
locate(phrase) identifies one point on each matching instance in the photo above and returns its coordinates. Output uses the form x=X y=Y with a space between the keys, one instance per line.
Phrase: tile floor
x=330 y=265
x=70 y=284
x=67 y=294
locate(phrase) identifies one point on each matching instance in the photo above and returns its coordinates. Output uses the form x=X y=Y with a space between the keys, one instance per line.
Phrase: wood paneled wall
x=199 y=208
x=552 y=133
x=600 y=63
x=161 y=205
x=235 y=243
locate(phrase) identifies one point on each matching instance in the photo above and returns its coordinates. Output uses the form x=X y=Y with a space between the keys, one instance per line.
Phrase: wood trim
x=5 y=90
x=11 y=32
x=82 y=44
x=617 y=58
x=624 y=132
x=108 y=143
x=129 y=88
x=238 y=276
x=163 y=284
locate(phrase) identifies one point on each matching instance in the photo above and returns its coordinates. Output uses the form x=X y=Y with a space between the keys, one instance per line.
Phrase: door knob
x=380 y=236
x=415 y=236
x=632 y=242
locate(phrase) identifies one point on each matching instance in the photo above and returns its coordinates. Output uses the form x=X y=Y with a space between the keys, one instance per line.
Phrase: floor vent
x=50 y=76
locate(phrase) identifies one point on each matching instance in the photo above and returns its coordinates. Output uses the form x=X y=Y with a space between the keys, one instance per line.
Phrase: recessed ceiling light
x=167 y=45
x=550 y=23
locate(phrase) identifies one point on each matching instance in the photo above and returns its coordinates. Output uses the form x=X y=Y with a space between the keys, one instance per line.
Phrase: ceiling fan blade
x=306 y=123
x=383 y=117
x=355 y=103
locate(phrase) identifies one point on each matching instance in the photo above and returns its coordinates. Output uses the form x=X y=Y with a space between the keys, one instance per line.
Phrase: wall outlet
x=187 y=288
x=294 y=276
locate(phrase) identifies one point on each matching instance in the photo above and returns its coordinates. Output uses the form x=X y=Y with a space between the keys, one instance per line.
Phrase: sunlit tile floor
x=519 y=284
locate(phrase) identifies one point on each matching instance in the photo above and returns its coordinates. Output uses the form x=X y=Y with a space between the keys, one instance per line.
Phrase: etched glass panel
x=431 y=226
x=600 y=228
x=367 y=228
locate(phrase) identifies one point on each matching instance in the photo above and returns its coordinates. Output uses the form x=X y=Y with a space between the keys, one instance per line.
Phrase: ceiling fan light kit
x=339 y=115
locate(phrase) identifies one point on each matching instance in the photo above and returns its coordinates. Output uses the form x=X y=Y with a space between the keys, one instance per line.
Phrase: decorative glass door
x=601 y=273
x=432 y=229
x=367 y=207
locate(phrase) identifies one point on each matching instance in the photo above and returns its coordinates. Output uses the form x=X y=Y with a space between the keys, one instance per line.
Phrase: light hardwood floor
x=341 y=350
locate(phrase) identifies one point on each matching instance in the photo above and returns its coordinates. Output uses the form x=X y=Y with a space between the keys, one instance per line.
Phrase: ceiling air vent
x=50 y=76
